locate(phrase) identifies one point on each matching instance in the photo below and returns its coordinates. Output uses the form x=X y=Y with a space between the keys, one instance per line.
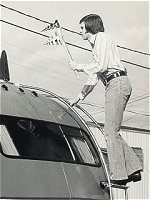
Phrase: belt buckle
x=117 y=74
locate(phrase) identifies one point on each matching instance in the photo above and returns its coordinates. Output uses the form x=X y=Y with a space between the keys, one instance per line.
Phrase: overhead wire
x=138 y=99
x=66 y=29
x=139 y=96
x=37 y=65
x=68 y=43
x=100 y=108
x=137 y=113
x=46 y=74
x=36 y=18
x=50 y=59
x=35 y=70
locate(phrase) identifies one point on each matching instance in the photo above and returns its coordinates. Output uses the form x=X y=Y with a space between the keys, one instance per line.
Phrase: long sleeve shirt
x=106 y=60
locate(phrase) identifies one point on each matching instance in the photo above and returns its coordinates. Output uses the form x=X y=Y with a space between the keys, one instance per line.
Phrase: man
x=107 y=67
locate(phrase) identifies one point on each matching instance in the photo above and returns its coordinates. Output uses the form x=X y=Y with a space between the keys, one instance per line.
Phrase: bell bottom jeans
x=123 y=161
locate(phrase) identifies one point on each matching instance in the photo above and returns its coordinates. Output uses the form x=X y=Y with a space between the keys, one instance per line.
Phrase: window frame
x=97 y=161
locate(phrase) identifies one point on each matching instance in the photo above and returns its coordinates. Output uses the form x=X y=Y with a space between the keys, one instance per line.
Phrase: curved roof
x=20 y=102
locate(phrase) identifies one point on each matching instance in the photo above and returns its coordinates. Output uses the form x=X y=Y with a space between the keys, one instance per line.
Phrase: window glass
x=38 y=140
x=80 y=143
x=41 y=140
x=82 y=151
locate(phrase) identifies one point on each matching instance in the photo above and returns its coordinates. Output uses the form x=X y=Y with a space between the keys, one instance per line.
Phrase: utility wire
x=138 y=99
x=46 y=74
x=140 y=96
x=30 y=68
x=24 y=28
x=101 y=111
x=36 y=18
x=38 y=66
x=34 y=53
x=27 y=15
x=136 y=113
x=143 y=114
x=68 y=43
x=133 y=50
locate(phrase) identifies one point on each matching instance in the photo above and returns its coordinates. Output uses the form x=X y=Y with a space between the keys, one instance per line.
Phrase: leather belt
x=115 y=75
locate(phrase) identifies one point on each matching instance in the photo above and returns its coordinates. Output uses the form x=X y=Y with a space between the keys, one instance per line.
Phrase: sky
x=33 y=63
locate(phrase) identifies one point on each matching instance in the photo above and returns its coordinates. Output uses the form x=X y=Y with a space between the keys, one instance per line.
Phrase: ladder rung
x=106 y=185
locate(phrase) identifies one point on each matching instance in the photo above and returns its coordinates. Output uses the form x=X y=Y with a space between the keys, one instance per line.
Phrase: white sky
x=32 y=63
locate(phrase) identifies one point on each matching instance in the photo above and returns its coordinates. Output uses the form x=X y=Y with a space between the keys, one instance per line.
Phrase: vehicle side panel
x=32 y=178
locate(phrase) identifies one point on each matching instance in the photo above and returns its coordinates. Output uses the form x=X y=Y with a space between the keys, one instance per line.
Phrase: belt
x=115 y=75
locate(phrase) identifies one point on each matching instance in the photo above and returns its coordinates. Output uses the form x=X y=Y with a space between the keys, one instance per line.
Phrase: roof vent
x=34 y=93
x=4 y=87
x=21 y=90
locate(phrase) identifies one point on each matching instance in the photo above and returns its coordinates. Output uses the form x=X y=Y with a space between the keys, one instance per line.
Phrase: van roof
x=19 y=102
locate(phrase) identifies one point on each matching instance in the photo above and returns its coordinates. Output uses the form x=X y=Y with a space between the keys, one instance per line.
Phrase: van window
x=81 y=145
x=34 y=139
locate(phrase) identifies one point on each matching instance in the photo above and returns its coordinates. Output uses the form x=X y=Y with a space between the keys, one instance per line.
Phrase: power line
x=101 y=111
x=143 y=114
x=134 y=50
x=68 y=43
x=131 y=101
x=30 y=68
x=38 y=66
x=135 y=98
x=24 y=28
x=36 y=71
x=138 y=99
x=135 y=115
x=34 y=53
x=131 y=111
x=27 y=15
x=129 y=118
x=36 y=18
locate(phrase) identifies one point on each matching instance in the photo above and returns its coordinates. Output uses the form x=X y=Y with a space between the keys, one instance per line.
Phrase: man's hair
x=93 y=23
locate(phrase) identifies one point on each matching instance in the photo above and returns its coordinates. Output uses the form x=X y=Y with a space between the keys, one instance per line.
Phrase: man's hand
x=74 y=102
x=72 y=65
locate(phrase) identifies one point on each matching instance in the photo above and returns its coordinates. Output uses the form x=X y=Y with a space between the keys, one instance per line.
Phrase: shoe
x=136 y=176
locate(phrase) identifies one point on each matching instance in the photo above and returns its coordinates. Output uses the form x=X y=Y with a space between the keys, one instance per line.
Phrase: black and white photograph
x=74 y=100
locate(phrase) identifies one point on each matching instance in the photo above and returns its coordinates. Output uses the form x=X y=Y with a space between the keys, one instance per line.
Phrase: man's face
x=83 y=31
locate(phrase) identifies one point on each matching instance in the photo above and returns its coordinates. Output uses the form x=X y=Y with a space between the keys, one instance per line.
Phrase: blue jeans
x=122 y=159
